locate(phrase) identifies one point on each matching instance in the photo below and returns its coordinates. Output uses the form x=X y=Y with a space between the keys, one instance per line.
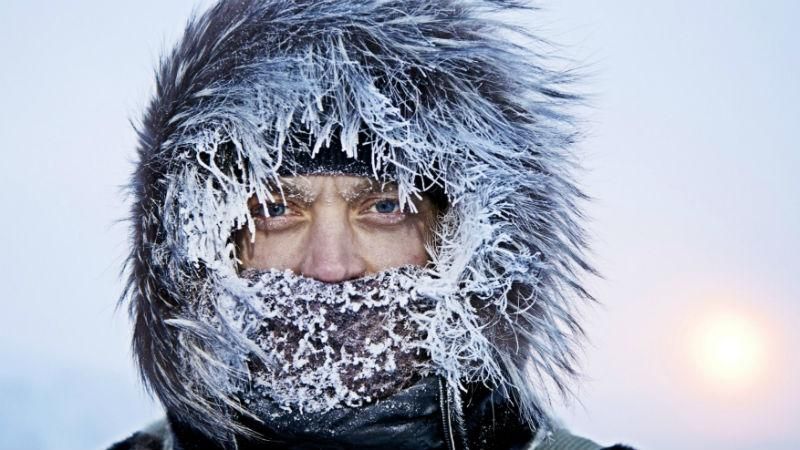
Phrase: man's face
x=336 y=228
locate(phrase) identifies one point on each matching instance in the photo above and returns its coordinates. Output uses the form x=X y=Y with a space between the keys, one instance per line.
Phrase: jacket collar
x=422 y=417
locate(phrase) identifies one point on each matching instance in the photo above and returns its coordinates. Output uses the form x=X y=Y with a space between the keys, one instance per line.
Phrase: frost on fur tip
x=440 y=97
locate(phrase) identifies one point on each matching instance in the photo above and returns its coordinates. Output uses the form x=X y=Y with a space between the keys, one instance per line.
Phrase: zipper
x=447 y=420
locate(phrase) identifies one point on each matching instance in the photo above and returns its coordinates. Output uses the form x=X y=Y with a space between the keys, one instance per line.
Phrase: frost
x=325 y=345
x=474 y=114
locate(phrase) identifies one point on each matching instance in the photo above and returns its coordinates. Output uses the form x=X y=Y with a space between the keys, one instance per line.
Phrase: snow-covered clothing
x=443 y=98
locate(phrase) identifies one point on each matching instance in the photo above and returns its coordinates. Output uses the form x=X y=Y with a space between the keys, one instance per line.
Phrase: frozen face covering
x=301 y=345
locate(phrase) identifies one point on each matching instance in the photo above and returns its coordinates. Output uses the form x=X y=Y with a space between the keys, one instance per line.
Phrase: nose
x=331 y=255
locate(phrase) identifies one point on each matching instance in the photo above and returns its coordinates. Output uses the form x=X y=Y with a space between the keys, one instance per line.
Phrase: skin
x=334 y=228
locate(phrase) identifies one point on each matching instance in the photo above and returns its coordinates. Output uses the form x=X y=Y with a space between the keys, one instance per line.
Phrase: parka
x=443 y=98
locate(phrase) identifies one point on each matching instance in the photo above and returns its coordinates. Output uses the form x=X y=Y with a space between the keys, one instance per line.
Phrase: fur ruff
x=443 y=95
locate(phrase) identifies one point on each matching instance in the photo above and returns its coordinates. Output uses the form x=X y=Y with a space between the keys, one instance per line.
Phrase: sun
x=730 y=350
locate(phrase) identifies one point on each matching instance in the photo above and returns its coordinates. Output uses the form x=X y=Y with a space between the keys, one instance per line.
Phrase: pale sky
x=691 y=162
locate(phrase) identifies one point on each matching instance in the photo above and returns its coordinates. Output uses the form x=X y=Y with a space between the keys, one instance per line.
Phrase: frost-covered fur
x=445 y=99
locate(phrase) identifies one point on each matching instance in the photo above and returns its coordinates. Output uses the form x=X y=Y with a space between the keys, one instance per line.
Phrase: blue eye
x=276 y=209
x=386 y=206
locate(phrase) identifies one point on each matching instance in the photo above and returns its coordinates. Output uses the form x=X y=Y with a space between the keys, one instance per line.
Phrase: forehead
x=308 y=187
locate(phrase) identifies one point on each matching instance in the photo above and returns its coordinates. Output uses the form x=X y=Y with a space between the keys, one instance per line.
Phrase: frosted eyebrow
x=301 y=193
x=365 y=188
x=295 y=192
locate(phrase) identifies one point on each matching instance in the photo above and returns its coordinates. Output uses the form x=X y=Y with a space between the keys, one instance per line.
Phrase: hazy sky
x=691 y=162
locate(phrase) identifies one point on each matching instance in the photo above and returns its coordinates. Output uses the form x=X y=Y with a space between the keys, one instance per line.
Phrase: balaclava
x=439 y=97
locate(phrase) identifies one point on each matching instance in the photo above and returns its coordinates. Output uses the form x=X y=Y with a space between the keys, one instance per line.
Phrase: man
x=354 y=226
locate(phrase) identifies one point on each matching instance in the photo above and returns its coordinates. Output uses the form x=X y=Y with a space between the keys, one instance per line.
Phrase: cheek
x=394 y=248
x=270 y=252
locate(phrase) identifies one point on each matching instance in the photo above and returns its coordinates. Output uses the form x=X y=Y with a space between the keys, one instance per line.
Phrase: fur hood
x=442 y=93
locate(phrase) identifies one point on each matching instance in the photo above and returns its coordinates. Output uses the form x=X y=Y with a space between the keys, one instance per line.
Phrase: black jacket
x=415 y=419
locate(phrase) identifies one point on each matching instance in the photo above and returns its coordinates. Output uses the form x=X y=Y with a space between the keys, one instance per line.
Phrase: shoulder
x=562 y=439
x=154 y=437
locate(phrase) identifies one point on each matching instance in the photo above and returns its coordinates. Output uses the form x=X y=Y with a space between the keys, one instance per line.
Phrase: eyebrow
x=292 y=192
x=365 y=188
x=297 y=192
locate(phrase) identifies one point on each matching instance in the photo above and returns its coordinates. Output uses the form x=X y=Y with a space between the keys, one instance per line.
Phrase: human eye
x=276 y=209
x=270 y=209
x=272 y=215
x=385 y=206
x=384 y=211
